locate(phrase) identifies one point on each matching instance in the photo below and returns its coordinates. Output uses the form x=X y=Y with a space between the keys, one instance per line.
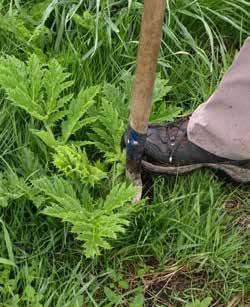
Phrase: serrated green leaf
x=35 y=73
x=46 y=137
x=78 y=107
x=84 y=122
x=108 y=132
x=57 y=116
x=92 y=224
x=55 y=83
x=119 y=195
x=74 y=163
x=37 y=89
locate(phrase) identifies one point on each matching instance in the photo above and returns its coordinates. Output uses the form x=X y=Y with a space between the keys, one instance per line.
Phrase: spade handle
x=149 y=46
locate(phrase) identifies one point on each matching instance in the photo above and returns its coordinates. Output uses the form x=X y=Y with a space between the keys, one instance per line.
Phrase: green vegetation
x=69 y=233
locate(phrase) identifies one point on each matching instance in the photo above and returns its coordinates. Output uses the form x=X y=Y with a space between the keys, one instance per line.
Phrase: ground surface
x=69 y=235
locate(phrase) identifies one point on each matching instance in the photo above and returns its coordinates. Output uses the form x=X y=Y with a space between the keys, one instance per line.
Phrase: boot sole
x=237 y=173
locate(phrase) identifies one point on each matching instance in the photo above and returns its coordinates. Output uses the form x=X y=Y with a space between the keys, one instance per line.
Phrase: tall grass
x=189 y=241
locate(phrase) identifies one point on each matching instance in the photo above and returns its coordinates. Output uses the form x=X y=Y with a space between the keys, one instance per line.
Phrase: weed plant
x=69 y=233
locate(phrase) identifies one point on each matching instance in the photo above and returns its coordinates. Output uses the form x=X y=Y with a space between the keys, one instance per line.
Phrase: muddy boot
x=168 y=151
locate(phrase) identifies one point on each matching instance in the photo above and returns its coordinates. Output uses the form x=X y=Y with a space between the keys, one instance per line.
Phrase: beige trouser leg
x=222 y=124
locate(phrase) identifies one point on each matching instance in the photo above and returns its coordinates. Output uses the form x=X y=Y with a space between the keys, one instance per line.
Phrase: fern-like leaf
x=20 y=84
x=47 y=137
x=108 y=132
x=95 y=225
x=55 y=82
x=162 y=111
x=74 y=163
x=36 y=88
x=35 y=77
x=77 y=109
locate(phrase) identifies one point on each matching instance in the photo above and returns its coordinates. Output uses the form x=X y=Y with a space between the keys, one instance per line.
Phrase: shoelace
x=173 y=138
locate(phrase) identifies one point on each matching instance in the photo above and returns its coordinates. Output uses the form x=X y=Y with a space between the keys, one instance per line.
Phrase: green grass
x=186 y=244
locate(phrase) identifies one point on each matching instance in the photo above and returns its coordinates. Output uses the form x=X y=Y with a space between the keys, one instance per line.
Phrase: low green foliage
x=70 y=234
x=74 y=163
x=40 y=92
x=94 y=222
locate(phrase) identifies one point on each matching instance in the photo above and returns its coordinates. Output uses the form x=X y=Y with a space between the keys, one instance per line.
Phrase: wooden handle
x=149 y=46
